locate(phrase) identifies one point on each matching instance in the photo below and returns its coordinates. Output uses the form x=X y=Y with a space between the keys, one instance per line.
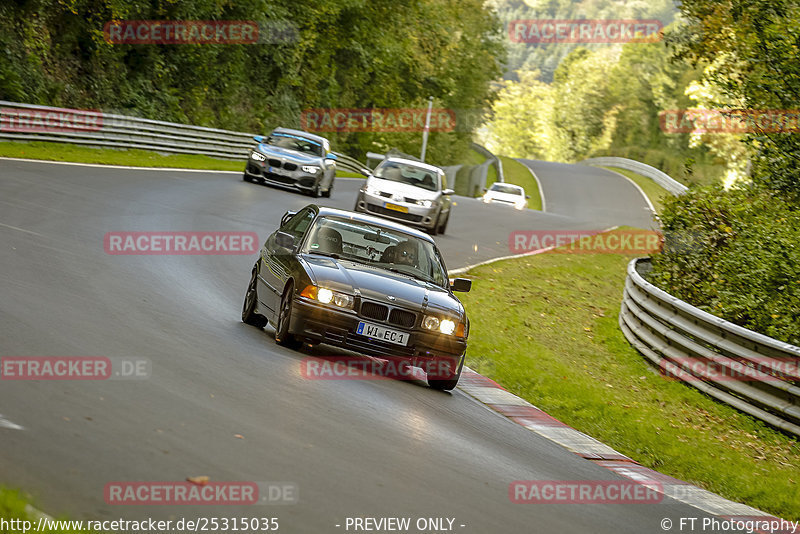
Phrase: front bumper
x=297 y=178
x=416 y=215
x=313 y=321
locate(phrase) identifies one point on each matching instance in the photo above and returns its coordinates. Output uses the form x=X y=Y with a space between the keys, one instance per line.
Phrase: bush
x=735 y=254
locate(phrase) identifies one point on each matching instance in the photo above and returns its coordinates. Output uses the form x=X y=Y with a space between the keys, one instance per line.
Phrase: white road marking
x=5 y=423
x=20 y=229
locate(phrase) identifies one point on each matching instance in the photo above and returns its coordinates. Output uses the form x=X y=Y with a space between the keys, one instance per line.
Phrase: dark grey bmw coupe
x=364 y=284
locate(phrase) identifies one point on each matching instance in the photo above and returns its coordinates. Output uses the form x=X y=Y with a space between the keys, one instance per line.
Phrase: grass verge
x=546 y=328
x=131 y=158
x=107 y=156
x=516 y=173
x=653 y=191
x=15 y=506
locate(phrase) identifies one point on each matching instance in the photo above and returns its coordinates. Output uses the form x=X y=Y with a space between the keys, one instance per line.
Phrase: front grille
x=278 y=178
x=385 y=194
x=402 y=318
x=373 y=310
x=411 y=200
x=274 y=163
x=290 y=166
x=396 y=214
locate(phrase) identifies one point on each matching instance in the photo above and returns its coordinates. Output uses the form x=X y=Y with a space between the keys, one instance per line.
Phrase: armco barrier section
x=18 y=122
x=676 y=337
x=661 y=178
x=29 y=122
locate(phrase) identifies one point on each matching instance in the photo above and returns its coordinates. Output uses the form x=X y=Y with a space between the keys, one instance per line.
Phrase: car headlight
x=258 y=156
x=311 y=169
x=328 y=296
x=425 y=203
x=445 y=326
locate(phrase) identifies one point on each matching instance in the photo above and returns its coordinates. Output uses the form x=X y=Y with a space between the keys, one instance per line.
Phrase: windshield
x=377 y=246
x=408 y=174
x=293 y=142
x=505 y=188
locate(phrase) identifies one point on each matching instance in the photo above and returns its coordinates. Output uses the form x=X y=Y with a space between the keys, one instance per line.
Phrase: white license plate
x=384 y=334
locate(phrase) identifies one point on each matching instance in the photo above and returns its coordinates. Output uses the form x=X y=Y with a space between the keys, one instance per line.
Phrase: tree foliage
x=755 y=46
x=344 y=54
x=735 y=254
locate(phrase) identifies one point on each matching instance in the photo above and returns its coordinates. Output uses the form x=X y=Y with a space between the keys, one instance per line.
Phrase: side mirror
x=258 y=138
x=462 y=285
x=527 y=196
x=332 y=156
x=448 y=192
x=286 y=216
x=485 y=190
x=282 y=239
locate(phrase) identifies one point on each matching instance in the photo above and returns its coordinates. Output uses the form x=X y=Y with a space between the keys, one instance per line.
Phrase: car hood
x=401 y=189
x=293 y=155
x=377 y=284
x=506 y=197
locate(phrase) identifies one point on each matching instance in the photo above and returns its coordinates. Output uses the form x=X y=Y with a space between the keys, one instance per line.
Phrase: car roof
x=318 y=138
x=414 y=163
x=363 y=217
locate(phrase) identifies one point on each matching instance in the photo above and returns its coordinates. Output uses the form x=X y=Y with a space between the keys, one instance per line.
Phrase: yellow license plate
x=395 y=207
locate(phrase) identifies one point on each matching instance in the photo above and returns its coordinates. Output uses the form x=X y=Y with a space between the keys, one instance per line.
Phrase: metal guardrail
x=661 y=178
x=29 y=122
x=747 y=370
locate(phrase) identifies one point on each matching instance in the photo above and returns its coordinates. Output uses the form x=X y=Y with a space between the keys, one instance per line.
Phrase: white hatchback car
x=407 y=191
x=510 y=194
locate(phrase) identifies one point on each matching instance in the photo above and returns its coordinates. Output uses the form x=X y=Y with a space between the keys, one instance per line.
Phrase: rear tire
x=249 y=316
x=282 y=335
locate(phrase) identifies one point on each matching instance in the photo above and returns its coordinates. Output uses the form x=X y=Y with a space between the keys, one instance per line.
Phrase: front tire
x=314 y=192
x=448 y=383
x=249 y=315
x=443 y=226
x=327 y=193
x=282 y=335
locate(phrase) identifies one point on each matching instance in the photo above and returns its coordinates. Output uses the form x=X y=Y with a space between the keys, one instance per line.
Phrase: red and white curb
x=520 y=411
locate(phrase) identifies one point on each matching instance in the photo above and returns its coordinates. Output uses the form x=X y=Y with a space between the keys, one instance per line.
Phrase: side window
x=298 y=224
